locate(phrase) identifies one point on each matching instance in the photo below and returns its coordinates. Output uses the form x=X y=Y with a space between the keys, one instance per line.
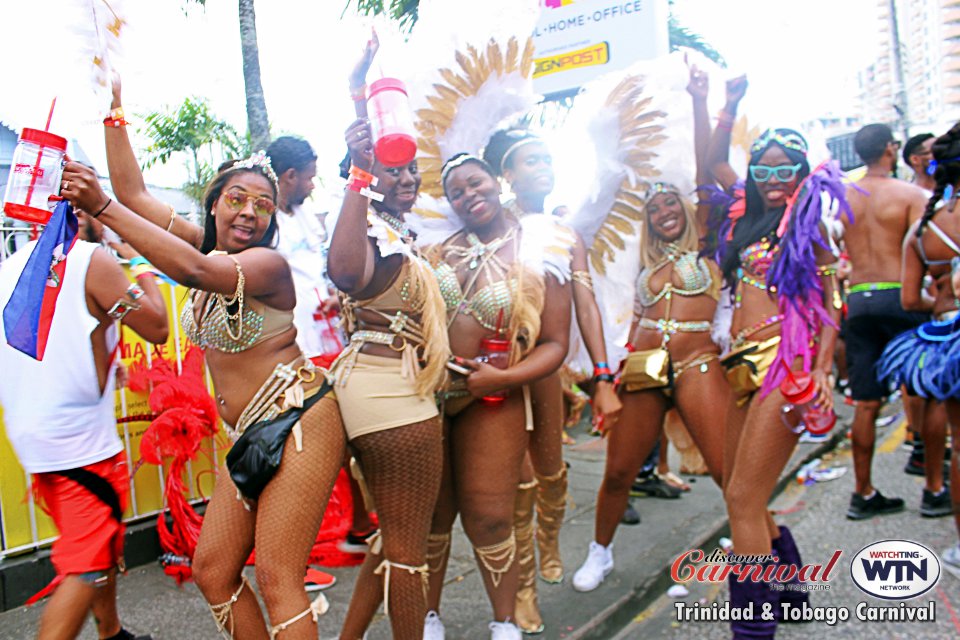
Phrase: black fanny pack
x=255 y=456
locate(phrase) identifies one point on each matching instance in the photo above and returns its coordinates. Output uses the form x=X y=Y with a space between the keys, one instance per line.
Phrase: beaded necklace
x=479 y=253
x=397 y=225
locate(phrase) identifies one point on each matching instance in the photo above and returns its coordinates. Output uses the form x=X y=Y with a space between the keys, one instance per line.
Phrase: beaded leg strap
x=384 y=569
x=502 y=554
x=438 y=546
x=222 y=613
x=316 y=609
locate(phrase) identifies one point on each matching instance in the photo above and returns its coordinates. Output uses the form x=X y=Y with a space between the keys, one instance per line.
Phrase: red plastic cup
x=391 y=119
x=800 y=412
x=496 y=352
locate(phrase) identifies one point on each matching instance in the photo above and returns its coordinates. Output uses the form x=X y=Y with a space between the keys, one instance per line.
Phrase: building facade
x=925 y=46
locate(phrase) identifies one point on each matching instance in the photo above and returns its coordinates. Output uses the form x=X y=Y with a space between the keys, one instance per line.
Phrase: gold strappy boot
x=527 y=611
x=551 y=507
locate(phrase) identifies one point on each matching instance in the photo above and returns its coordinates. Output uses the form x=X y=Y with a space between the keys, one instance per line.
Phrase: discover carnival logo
x=895 y=569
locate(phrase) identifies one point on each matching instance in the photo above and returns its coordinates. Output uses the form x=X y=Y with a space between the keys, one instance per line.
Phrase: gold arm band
x=584 y=278
x=173 y=217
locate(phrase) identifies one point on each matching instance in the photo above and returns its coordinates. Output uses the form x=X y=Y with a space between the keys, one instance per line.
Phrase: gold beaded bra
x=689 y=267
x=492 y=304
x=219 y=329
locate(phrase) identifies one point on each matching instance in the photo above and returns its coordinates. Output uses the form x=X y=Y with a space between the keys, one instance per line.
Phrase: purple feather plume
x=794 y=271
x=718 y=222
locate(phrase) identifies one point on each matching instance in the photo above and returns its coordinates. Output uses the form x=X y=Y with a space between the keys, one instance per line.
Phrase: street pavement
x=632 y=601
x=815 y=514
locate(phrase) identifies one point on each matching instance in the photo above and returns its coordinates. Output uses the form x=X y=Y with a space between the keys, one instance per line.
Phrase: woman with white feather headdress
x=532 y=257
x=522 y=160
x=494 y=285
x=671 y=359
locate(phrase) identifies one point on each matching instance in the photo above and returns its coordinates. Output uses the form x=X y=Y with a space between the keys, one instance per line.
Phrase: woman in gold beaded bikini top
x=267 y=391
x=217 y=327
x=495 y=286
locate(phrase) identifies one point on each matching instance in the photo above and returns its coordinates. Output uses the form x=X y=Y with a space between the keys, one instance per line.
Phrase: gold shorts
x=647 y=369
x=376 y=397
x=655 y=369
x=747 y=366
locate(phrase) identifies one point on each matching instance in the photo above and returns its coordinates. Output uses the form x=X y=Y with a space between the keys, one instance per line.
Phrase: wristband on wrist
x=604 y=377
x=141 y=270
x=363 y=176
x=359 y=186
x=601 y=365
x=359 y=94
x=138 y=260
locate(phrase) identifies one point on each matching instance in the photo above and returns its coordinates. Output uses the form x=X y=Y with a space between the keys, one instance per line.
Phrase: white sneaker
x=504 y=631
x=951 y=560
x=595 y=568
x=433 y=627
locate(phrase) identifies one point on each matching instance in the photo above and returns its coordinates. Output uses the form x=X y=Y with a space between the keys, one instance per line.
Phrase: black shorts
x=874 y=318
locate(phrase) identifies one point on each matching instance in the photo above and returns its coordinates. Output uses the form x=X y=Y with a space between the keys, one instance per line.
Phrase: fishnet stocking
x=225 y=543
x=402 y=467
x=284 y=526
x=487 y=446
x=761 y=454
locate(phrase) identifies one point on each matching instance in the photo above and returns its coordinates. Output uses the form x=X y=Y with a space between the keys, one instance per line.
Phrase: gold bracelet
x=173 y=217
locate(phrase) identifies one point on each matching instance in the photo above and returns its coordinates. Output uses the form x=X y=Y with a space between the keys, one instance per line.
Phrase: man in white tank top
x=59 y=417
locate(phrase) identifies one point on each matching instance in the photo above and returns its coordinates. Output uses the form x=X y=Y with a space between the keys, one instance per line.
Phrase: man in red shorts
x=58 y=403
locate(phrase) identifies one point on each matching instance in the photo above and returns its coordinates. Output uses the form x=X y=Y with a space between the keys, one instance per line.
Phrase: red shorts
x=91 y=530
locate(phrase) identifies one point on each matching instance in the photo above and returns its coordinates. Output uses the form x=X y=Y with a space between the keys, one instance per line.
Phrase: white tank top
x=54 y=414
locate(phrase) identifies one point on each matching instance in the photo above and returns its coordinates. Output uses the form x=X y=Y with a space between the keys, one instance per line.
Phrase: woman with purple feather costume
x=776 y=257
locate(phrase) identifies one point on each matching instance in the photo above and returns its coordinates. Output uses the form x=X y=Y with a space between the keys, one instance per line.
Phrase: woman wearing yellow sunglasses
x=271 y=398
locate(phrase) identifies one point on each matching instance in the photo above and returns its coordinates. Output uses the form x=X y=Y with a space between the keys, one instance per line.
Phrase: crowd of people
x=449 y=394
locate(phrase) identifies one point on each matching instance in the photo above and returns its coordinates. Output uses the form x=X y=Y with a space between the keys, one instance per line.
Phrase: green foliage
x=680 y=36
x=406 y=12
x=194 y=130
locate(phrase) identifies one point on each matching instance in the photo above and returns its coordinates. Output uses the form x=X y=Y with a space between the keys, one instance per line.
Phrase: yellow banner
x=26 y=526
x=587 y=57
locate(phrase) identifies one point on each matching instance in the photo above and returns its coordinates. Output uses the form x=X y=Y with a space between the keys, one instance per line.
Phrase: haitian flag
x=29 y=312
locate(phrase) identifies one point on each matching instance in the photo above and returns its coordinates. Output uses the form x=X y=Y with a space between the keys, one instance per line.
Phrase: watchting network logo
x=895 y=569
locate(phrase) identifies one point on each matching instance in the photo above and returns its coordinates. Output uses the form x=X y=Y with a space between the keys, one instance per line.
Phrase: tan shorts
x=376 y=397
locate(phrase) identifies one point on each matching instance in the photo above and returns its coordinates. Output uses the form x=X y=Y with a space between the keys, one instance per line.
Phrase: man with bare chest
x=883 y=209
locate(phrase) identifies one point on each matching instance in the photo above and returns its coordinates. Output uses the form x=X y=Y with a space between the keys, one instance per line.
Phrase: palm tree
x=191 y=128
x=258 y=124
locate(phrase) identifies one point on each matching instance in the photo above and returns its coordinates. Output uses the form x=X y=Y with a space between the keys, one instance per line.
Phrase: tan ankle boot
x=527 y=611
x=551 y=507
